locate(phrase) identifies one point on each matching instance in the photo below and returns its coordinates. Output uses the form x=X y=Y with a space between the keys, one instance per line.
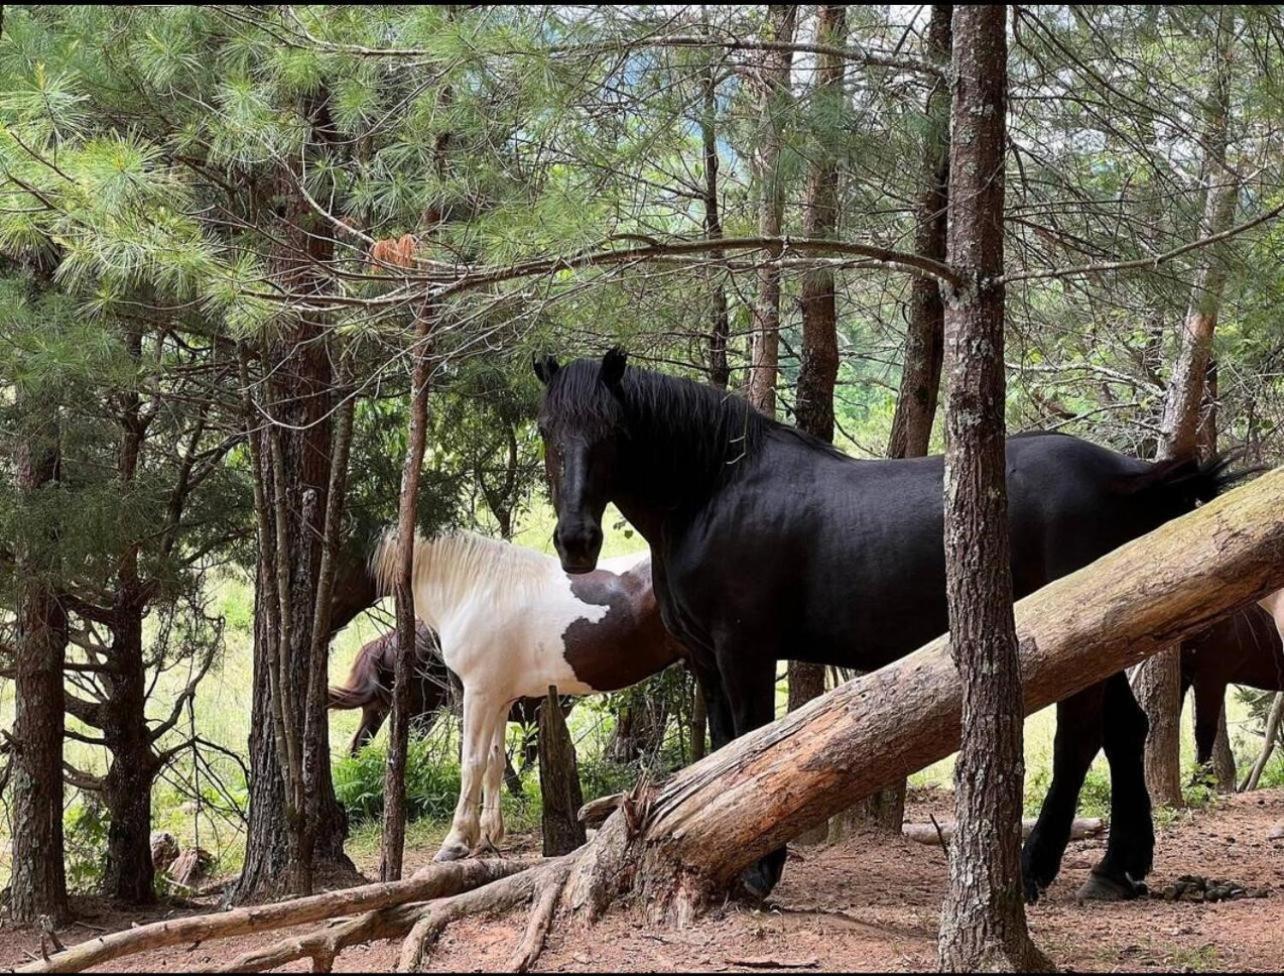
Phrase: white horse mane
x=460 y=559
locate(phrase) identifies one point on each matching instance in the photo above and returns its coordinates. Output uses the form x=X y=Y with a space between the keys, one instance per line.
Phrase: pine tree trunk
x=699 y=722
x=983 y=924
x=127 y=786
x=1158 y=682
x=559 y=781
x=38 y=884
x=818 y=370
x=924 y=339
x=297 y=834
x=719 y=317
x=773 y=83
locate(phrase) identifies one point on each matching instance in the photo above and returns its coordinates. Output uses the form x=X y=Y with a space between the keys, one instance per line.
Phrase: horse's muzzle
x=578 y=546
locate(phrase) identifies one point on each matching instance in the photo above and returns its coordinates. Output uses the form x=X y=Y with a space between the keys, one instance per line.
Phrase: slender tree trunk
x=719 y=317
x=699 y=722
x=38 y=884
x=1158 y=682
x=1224 y=772
x=394 y=787
x=983 y=924
x=924 y=347
x=127 y=786
x=818 y=371
x=921 y=372
x=773 y=84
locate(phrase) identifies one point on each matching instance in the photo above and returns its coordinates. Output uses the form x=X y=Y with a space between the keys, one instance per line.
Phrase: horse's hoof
x=757 y=883
x=452 y=852
x=1277 y=832
x=1033 y=892
x=1099 y=887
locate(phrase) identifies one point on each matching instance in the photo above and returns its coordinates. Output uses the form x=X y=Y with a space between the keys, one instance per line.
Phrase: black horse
x=768 y=544
x=1242 y=649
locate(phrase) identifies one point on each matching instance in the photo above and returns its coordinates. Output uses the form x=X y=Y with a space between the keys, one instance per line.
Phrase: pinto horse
x=1245 y=648
x=768 y=544
x=511 y=624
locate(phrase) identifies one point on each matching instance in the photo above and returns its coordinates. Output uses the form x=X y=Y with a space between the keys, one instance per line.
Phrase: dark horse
x=369 y=688
x=1242 y=649
x=768 y=544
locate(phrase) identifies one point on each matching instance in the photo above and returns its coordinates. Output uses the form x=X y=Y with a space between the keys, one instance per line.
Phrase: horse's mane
x=715 y=427
x=461 y=557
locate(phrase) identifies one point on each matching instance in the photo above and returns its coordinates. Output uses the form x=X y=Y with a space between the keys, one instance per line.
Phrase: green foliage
x=432 y=785
x=85 y=826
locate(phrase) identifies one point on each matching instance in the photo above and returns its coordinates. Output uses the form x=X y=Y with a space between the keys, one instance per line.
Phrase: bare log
x=691 y=837
x=435 y=882
x=933 y=834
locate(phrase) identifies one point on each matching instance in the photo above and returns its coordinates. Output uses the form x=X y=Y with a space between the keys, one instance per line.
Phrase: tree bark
x=394 y=786
x=681 y=844
x=559 y=781
x=773 y=82
x=916 y=399
x=296 y=827
x=1158 y=682
x=38 y=884
x=818 y=370
x=924 y=339
x=719 y=317
x=127 y=786
x=983 y=924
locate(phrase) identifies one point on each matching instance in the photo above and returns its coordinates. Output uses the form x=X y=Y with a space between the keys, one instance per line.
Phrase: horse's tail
x=1178 y=486
x=363 y=686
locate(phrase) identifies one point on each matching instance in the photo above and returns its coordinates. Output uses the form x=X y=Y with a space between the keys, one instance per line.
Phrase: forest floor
x=869 y=903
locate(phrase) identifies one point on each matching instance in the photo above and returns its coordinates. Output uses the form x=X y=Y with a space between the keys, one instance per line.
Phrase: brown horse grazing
x=369 y=684
x=369 y=688
x=1245 y=648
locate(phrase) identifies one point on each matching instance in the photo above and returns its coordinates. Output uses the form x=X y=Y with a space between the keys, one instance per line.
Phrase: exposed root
x=547 y=897
x=543 y=884
x=434 y=882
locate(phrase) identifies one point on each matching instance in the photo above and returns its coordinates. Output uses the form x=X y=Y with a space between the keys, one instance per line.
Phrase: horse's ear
x=614 y=363
x=546 y=368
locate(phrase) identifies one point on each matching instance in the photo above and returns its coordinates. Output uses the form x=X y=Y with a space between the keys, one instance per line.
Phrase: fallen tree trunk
x=683 y=842
x=679 y=845
x=934 y=835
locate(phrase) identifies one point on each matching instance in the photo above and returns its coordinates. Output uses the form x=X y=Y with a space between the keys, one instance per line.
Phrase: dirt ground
x=867 y=904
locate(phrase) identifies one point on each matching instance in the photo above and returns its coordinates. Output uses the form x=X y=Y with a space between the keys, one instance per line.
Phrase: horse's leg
x=1130 y=850
x=1078 y=738
x=478 y=734
x=492 y=818
x=372 y=716
x=748 y=697
x=1210 y=699
x=722 y=727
